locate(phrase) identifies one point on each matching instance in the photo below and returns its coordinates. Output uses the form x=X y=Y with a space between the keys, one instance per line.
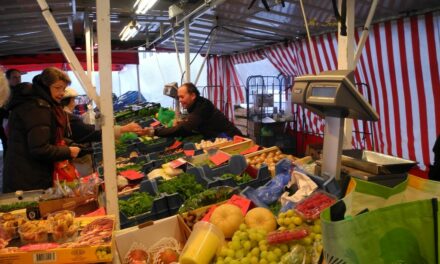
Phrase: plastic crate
x=158 y=210
x=159 y=144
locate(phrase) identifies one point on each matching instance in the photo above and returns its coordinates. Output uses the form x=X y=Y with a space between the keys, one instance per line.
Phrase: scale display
x=332 y=93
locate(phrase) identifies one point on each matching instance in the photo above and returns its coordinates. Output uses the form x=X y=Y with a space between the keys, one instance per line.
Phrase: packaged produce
x=34 y=232
x=62 y=226
x=205 y=240
x=312 y=206
x=285 y=236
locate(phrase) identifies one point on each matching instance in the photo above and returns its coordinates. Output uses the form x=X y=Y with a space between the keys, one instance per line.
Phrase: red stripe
x=406 y=90
x=315 y=48
x=216 y=83
x=333 y=49
x=434 y=68
x=287 y=59
x=309 y=58
x=421 y=91
x=324 y=51
x=394 y=92
x=386 y=108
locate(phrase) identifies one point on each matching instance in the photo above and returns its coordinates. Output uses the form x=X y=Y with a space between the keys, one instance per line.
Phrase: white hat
x=70 y=92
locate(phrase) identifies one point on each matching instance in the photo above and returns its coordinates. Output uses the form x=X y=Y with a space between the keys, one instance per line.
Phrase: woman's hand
x=74 y=151
x=131 y=127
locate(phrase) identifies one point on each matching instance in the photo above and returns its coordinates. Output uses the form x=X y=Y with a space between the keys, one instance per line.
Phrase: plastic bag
x=272 y=191
x=166 y=117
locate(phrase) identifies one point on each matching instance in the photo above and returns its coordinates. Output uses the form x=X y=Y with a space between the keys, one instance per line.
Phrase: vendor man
x=203 y=117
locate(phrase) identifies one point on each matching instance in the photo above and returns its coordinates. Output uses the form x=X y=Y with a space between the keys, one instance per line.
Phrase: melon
x=228 y=218
x=261 y=218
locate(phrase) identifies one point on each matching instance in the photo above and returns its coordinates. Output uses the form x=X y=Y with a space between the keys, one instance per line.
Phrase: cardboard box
x=148 y=234
x=63 y=255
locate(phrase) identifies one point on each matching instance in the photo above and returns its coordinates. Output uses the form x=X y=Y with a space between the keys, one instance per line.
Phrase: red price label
x=219 y=158
x=177 y=163
x=175 y=145
x=250 y=150
x=189 y=152
x=155 y=124
x=237 y=139
x=241 y=202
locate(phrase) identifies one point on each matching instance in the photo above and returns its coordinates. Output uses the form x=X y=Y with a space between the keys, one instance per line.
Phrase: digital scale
x=171 y=91
x=333 y=96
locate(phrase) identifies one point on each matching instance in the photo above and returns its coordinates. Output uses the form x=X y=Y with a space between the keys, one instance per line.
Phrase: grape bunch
x=249 y=245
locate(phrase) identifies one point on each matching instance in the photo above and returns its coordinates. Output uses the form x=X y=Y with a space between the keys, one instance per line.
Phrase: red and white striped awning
x=399 y=64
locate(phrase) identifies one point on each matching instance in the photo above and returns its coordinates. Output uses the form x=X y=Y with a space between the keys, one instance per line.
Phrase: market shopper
x=83 y=133
x=4 y=97
x=203 y=117
x=37 y=124
x=14 y=78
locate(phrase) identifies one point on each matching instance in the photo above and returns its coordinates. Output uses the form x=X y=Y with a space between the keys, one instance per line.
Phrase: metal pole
x=187 y=52
x=205 y=59
x=138 y=82
x=365 y=32
x=345 y=62
x=315 y=62
x=108 y=134
x=177 y=51
x=89 y=45
x=68 y=52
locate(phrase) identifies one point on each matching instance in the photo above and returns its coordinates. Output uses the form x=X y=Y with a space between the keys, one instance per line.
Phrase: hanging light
x=142 y=6
x=129 y=31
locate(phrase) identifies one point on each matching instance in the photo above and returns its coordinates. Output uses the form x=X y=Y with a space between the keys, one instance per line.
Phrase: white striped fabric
x=399 y=69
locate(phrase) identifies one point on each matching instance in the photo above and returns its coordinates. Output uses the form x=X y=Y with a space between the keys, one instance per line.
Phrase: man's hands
x=148 y=131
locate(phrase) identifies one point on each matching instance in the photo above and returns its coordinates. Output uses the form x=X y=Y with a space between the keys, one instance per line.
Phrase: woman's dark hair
x=50 y=75
x=191 y=88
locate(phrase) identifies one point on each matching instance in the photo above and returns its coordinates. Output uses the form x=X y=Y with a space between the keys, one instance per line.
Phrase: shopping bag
x=64 y=171
x=378 y=224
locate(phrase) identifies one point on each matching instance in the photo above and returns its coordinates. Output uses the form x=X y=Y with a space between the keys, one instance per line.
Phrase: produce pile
x=138 y=203
x=61 y=228
x=185 y=185
x=239 y=179
x=269 y=158
x=204 y=144
x=257 y=240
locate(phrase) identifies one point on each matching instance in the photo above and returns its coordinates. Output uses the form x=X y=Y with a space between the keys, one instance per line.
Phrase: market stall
x=190 y=199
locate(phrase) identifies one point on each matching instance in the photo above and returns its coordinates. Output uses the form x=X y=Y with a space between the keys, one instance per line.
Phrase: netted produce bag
x=166 y=250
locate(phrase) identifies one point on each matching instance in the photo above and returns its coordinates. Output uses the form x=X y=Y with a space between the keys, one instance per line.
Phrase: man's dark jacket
x=203 y=118
x=32 y=150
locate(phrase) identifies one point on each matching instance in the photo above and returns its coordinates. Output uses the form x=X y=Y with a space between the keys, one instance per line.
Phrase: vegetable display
x=138 y=203
x=185 y=184
x=210 y=196
x=239 y=179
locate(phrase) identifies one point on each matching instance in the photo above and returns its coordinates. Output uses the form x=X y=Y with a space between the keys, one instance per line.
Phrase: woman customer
x=83 y=133
x=37 y=124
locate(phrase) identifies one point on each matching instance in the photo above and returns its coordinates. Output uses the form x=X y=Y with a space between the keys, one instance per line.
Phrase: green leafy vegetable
x=4 y=208
x=184 y=184
x=210 y=196
x=138 y=203
x=239 y=179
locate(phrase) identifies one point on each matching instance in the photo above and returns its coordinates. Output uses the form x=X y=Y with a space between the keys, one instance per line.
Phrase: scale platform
x=375 y=163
